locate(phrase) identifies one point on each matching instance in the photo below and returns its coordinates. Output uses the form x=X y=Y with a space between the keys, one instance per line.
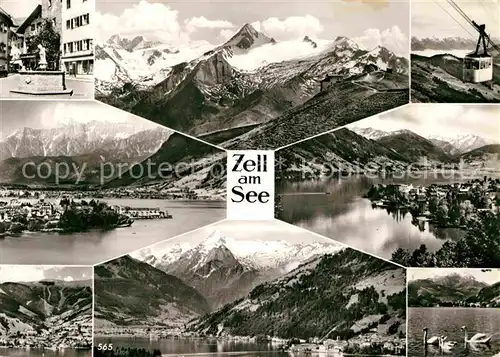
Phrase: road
x=82 y=89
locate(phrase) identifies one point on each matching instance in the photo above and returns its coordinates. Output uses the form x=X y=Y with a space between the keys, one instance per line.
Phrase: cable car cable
x=458 y=22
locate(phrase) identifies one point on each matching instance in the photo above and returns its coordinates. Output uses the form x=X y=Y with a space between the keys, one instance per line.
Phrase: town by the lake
x=445 y=205
x=45 y=210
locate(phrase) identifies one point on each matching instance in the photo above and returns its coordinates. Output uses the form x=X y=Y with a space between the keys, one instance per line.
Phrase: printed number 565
x=105 y=346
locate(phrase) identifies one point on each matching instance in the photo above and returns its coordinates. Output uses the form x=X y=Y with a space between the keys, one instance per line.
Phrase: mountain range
x=222 y=286
x=224 y=269
x=459 y=144
x=120 y=141
x=97 y=153
x=445 y=44
x=218 y=91
x=343 y=295
x=350 y=150
x=131 y=292
x=452 y=289
x=180 y=163
x=59 y=313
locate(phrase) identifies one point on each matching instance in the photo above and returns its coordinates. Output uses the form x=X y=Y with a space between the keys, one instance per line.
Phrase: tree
x=49 y=39
x=442 y=214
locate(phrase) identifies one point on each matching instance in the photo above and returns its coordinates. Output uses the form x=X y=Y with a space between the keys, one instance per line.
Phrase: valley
x=230 y=87
x=46 y=314
x=251 y=290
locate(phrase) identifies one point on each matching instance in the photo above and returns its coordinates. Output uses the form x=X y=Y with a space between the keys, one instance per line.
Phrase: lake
x=345 y=216
x=200 y=347
x=19 y=352
x=447 y=321
x=98 y=246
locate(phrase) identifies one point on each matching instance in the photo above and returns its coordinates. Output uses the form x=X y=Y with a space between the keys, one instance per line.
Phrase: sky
x=488 y=276
x=31 y=273
x=19 y=8
x=53 y=114
x=435 y=18
x=179 y=23
x=240 y=231
x=444 y=120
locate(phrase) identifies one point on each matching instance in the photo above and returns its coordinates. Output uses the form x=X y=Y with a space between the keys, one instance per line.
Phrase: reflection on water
x=336 y=209
x=94 y=247
x=448 y=321
x=19 y=352
x=200 y=347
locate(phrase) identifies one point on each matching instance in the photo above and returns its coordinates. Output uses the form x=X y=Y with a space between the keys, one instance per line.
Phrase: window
x=68 y=4
x=68 y=24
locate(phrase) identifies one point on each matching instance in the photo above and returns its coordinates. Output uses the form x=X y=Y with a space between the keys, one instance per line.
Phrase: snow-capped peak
x=464 y=142
x=342 y=41
x=254 y=254
x=246 y=38
x=370 y=133
x=213 y=241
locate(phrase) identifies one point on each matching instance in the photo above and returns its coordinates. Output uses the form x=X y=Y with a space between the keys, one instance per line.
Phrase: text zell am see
x=250 y=185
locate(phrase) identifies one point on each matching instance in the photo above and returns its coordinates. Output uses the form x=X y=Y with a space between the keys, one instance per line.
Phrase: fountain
x=42 y=81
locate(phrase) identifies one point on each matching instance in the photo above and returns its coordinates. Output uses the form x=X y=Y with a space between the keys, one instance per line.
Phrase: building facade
x=52 y=10
x=6 y=23
x=77 y=36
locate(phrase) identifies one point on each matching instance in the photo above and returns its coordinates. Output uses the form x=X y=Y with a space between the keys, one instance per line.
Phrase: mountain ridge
x=224 y=269
x=451 y=289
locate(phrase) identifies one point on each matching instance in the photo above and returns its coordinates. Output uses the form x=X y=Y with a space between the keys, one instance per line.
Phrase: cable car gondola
x=478 y=67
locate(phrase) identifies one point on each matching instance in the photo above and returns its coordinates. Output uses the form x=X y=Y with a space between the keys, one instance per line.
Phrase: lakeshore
x=69 y=216
x=339 y=208
x=98 y=245
x=255 y=345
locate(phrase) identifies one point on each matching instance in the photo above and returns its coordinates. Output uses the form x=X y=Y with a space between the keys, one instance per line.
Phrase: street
x=82 y=89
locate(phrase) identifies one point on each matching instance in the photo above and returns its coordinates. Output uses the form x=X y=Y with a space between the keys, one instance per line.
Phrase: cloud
x=226 y=34
x=14 y=273
x=292 y=27
x=392 y=38
x=374 y=4
x=202 y=22
x=154 y=21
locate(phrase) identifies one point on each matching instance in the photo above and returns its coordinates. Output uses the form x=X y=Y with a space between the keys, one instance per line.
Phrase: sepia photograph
x=45 y=311
x=249 y=288
x=247 y=75
x=47 y=49
x=419 y=185
x=454 y=312
x=82 y=182
x=455 y=51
